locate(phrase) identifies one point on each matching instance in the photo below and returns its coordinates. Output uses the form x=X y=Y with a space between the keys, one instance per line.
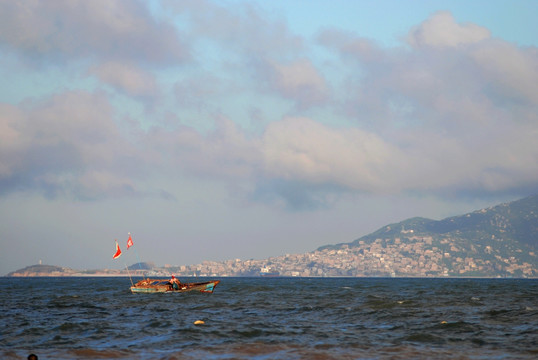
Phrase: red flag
x=118 y=251
x=129 y=241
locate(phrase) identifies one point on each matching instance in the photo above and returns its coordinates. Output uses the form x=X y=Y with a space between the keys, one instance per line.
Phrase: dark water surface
x=278 y=318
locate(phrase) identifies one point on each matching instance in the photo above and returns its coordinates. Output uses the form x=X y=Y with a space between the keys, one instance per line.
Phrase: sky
x=216 y=130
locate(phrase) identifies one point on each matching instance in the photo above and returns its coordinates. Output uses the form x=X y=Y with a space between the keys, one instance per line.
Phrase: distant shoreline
x=276 y=277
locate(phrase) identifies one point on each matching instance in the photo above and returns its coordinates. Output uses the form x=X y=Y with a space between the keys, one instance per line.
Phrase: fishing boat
x=268 y=272
x=164 y=285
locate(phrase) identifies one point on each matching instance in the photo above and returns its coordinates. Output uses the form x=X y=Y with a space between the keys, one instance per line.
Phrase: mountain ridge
x=516 y=221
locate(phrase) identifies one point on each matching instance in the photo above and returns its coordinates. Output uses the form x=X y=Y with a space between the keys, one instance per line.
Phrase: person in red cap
x=175 y=283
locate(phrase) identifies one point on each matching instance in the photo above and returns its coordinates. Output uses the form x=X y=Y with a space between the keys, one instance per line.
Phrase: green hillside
x=497 y=241
x=515 y=222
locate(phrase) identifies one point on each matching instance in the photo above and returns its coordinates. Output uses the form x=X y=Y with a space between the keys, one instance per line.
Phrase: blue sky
x=216 y=130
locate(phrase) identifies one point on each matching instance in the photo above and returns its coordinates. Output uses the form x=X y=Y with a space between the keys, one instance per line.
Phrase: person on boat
x=175 y=283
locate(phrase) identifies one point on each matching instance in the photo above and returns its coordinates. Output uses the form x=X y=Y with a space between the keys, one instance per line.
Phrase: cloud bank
x=450 y=111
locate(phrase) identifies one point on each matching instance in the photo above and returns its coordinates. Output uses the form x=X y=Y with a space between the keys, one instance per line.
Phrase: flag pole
x=130 y=278
x=117 y=255
x=136 y=252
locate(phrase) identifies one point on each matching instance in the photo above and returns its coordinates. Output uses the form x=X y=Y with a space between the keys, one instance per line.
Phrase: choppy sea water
x=277 y=318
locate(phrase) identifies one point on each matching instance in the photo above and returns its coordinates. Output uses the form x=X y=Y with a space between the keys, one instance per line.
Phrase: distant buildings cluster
x=408 y=256
x=416 y=256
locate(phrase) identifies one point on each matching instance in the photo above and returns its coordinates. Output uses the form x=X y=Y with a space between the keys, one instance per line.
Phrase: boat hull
x=149 y=286
x=270 y=274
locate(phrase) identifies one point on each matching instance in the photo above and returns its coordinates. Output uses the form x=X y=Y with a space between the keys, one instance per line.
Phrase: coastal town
x=417 y=257
x=409 y=256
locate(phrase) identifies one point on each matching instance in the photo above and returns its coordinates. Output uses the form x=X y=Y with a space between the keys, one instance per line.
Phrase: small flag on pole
x=129 y=241
x=118 y=251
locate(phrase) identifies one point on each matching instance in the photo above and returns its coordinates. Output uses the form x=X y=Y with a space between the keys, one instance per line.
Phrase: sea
x=271 y=318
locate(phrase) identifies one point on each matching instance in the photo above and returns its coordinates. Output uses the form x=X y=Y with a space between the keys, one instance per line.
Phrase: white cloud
x=244 y=30
x=225 y=152
x=349 y=45
x=56 y=145
x=441 y=30
x=511 y=71
x=127 y=78
x=300 y=149
x=463 y=118
x=427 y=117
x=299 y=81
x=109 y=29
x=11 y=139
